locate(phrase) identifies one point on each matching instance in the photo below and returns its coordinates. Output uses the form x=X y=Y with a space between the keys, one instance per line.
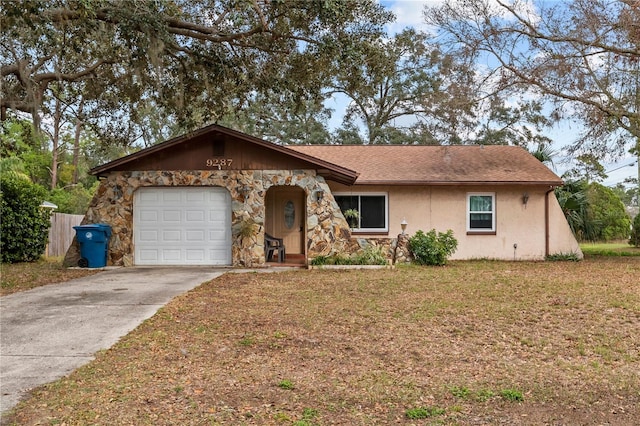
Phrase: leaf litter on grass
x=363 y=347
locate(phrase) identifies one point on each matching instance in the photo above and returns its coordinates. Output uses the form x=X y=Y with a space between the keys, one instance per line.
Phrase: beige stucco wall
x=562 y=240
x=445 y=207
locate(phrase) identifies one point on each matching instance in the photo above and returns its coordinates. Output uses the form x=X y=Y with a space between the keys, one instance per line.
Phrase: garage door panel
x=215 y=255
x=171 y=215
x=216 y=235
x=217 y=216
x=171 y=235
x=149 y=236
x=195 y=216
x=170 y=196
x=196 y=195
x=195 y=235
x=172 y=256
x=147 y=255
x=150 y=196
x=193 y=255
x=149 y=216
x=182 y=226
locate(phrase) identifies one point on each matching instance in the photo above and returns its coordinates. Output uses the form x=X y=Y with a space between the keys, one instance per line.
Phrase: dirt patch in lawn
x=473 y=343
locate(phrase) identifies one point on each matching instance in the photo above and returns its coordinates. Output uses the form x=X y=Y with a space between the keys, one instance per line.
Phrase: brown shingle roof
x=436 y=165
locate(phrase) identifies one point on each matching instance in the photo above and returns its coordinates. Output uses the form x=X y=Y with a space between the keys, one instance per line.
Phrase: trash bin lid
x=102 y=228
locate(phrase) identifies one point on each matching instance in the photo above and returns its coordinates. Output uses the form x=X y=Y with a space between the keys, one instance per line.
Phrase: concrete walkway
x=48 y=332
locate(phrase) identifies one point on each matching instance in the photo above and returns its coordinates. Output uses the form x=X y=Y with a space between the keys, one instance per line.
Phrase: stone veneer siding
x=327 y=230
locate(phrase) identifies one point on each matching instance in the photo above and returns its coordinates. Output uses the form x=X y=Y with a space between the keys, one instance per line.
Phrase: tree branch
x=54 y=76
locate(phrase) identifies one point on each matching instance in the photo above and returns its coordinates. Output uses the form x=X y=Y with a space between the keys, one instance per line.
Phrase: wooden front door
x=288 y=216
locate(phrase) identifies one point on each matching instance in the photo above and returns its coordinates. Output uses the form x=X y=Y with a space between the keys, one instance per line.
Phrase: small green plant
x=281 y=417
x=286 y=384
x=432 y=248
x=308 y=414
x=460 y=392
x=424 y=412
x=279 y=335
x=247 y=340
x=340 y=259
x=370 y=255
x=352 y=216
x=483 y=395
x=319 y=260
x=512 y=395
x=246 y=228
x=563 y=257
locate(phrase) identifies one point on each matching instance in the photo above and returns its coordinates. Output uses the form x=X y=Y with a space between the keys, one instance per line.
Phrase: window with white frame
x=371 y=211
x=481 y=212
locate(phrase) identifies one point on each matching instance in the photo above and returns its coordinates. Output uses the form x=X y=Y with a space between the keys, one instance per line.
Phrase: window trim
x=481 y=231
x=384 y=230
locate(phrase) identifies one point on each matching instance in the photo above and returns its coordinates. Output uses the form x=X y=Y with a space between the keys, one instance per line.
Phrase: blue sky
x=409 y=14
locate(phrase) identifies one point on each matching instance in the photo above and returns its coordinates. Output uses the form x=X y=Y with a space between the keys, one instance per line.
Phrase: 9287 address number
x=219 y=162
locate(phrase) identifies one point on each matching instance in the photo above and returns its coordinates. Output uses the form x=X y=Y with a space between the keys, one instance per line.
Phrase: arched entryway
x=286 y=218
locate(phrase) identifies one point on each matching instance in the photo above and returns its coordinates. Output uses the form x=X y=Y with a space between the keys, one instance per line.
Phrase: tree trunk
x=57 y=118
x=76 y=144
x=638 y=165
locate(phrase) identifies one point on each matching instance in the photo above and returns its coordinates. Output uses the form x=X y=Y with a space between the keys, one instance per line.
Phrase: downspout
x=546 y=222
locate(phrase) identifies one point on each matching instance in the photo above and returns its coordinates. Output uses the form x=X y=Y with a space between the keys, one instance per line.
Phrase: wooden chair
x=271 y=245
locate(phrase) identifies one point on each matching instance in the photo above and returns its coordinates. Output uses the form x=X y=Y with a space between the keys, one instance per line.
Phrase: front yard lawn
x=15 y=277
x=472 y=343
x=609 y=249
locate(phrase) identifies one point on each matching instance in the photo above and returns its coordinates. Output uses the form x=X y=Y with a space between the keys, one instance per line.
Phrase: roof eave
x=330 y=170
x=457 y=183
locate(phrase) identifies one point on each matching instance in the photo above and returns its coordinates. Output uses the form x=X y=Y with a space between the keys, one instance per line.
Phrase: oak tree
x=582 y=55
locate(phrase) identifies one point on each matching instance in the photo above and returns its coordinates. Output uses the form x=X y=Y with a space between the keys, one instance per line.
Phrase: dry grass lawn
x=473 y=343
x=15 y=277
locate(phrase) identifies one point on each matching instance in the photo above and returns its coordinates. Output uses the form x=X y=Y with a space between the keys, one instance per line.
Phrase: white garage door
x=182 y=226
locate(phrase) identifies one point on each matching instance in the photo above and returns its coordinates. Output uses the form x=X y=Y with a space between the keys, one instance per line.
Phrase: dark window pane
x=480 y=203
x=373 y=212
x=480 y=221
x=347 y=202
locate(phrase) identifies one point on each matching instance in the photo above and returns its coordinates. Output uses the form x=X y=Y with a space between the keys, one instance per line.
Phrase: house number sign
x=219 y=162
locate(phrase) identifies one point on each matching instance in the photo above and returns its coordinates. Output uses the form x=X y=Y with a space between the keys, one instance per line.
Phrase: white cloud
x=408 y=14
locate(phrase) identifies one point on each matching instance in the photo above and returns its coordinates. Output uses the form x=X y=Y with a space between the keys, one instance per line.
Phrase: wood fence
x=61 y=233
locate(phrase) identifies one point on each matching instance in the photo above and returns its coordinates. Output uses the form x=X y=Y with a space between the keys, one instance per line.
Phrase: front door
x=288 y=217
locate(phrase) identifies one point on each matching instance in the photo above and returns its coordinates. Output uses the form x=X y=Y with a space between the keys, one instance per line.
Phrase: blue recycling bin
x=94 y=244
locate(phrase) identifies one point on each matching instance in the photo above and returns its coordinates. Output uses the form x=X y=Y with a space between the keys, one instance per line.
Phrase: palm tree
x=545 y=155
x=574 y=202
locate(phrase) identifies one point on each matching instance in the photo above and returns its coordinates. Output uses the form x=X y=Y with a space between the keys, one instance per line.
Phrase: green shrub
x=635 y=232
x=320 y=260
x=560 y=257
x=24 y=225
x=370 y=255
x=432 y=248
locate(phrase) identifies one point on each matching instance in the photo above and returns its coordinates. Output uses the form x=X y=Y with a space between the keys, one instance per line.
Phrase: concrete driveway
x=48 y=332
